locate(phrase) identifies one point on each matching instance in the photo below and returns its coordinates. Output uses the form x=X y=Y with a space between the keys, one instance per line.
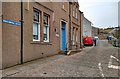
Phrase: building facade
x=87 y=28
x=75 y=41
x=32 y=30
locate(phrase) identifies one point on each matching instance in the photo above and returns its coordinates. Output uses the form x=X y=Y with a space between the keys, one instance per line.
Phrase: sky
x=102 y=13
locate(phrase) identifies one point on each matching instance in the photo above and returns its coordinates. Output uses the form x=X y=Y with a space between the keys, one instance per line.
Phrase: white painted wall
x=87 y=28
x=82 y=17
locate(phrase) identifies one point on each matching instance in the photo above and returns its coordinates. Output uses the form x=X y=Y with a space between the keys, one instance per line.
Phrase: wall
x=82 y=17
x=60 y=14
x=0 y=35
x=31 y=50
x=35 y=50
x=11 y=34
x=87 y=28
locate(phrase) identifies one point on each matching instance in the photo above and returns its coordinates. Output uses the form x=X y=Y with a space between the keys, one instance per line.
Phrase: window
x=46 y=28
x=73 y=13
x=73 y=36
x=85 y=33
x=76 y=12
x=76 y=35
x=36 y=26
x=63 y=5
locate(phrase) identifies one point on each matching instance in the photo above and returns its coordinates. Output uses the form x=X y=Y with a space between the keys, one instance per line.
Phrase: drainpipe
x=70 y=24
x=21 y=32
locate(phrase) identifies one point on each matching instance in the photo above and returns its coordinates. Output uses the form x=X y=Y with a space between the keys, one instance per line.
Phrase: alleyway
x=91 y=62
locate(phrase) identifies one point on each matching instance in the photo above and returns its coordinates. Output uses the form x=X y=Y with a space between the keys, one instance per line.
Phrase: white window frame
x=47 y=30
x=38 y=28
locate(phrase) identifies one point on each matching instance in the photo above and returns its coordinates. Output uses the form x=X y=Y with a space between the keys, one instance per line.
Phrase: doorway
x=63 y=36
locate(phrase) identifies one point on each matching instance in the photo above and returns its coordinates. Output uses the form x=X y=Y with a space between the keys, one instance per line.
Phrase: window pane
x=35 y=31
x=45 y=33
x=36 y=15
x=73 y=36
x=46 y=28
x=76 y=35
x=45 y=19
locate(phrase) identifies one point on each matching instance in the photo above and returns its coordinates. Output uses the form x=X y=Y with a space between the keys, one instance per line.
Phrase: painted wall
x=87 y=28
x=82 y=17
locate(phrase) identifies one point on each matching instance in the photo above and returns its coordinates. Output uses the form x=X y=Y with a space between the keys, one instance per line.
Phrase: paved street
x=91 y=62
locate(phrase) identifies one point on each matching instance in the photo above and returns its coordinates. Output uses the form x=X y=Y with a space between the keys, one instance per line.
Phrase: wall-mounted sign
x=57 y=35
x=11 y=22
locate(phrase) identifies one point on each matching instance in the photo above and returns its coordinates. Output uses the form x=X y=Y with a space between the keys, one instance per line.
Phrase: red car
x=88 y=41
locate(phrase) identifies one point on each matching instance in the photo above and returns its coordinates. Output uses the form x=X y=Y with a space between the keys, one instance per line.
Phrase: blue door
x=63 y=36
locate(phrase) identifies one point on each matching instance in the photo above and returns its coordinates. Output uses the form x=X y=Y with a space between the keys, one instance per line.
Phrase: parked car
x=88 y=41
x=109 y=37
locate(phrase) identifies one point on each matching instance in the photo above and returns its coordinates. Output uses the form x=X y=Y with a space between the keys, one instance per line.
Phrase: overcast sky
x=102 y=13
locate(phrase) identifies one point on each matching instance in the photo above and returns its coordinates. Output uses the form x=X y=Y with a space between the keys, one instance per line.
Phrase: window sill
x=42 y=43
x=75 y=17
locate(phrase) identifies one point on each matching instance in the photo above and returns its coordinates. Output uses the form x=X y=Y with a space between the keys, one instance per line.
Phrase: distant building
x=95 y=31
x=87 y=28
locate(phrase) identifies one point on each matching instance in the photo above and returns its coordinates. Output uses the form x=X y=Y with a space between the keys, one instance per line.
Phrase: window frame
x=76 y=35
x=48 y=27
x=38 y=22
x=73 y=35
x=73 y=13
x=76 y=14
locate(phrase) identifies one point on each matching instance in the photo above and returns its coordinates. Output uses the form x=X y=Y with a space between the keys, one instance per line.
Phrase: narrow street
x=91 y=62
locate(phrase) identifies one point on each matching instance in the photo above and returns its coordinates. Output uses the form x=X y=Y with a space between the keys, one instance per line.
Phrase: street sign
x=11 y=22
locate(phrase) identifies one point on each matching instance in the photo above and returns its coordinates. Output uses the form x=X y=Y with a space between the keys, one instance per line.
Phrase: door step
x=70 y=52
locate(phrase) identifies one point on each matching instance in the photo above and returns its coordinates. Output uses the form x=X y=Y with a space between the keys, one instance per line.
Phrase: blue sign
x=11 y=22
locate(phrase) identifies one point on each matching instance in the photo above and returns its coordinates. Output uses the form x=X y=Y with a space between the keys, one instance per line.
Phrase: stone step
x=70 y=52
